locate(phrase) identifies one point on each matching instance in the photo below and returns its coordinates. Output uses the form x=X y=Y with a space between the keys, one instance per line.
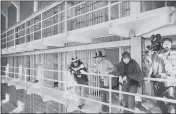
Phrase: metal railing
x=92 y=15
x=110 y=104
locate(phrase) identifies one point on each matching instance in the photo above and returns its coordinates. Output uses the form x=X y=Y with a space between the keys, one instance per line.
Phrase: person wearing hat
x=163 y=59
x=103 y=66
x=132 y=77
x=78 y=70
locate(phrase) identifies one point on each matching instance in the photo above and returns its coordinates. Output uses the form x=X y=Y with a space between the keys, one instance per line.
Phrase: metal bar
x=88 y=12
x=33 y=24
x=33 y=15
x=82 y=47
x=110 y=95
x=25 y=79
x=65 y=17
x=53 y=25
x=54 y=15
x=41 y=21
x=146 y=96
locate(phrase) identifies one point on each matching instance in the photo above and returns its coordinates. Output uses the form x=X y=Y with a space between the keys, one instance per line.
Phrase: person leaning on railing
x=162 y=67
x=132 y=77
x=103 y=66
x=78 y=69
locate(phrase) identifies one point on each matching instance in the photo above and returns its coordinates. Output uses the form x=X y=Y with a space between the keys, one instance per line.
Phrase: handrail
x=151 y=79
x=33 y=15
x=115 y=91
x=51 y=25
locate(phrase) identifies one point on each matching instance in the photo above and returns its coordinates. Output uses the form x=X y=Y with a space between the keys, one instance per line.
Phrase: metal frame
x=110 y=91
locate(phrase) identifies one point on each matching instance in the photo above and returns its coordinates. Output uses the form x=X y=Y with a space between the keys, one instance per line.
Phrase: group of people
x=131 y=74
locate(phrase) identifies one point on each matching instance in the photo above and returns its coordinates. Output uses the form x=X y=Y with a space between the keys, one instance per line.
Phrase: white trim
x=83 y=47
x=142 y=23
x=168 y=30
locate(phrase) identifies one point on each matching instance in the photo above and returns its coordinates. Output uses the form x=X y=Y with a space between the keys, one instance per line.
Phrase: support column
x=135 y=7
x=35 y=6
x=136 y=50
x=17 y=5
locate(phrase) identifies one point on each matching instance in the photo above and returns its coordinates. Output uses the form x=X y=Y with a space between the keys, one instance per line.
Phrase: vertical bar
x=14 y=68
x=41 y=26
x=41 y=80
x=109 y=11
x=65 y=16
x=33 y=79
x=110 y=94
x=120 y=87
x=24 y=32
x=6 y=40
x=119 y=10
x=25 y=74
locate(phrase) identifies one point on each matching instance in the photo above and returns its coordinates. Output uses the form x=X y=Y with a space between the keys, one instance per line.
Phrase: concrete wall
x=12 y=14
x=3 y=22
x=26 y=8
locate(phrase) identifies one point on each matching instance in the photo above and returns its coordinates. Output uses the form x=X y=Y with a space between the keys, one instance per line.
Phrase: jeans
x=104 y=96
x=159 y=89
x=129 y=99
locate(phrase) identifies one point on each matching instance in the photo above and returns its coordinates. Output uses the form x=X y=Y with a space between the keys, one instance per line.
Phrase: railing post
x=65 y=17
x=6 y=40
x=65 y=83
x=20 y=72
x=7 y=71
x=119 y=9
x=25 y=75
x=14 y=37
x=41 y=26
x=109 y=10
x=120 y=89
x=41 y=80
x=110 y=94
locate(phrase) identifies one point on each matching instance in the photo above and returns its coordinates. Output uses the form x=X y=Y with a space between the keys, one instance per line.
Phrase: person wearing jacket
x=103 y=66
x=129 y=69
x=78 y=69
x=162 y=67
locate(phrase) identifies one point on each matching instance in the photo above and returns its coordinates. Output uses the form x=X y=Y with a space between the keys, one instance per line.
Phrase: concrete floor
x=7 y=107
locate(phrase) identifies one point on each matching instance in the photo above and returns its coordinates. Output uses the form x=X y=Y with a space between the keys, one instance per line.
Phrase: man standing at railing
x=132 y=77
x=78 y=69
x=162 y=67
x=103 y=66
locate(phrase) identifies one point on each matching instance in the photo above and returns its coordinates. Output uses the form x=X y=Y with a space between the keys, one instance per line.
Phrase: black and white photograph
x=82 y=56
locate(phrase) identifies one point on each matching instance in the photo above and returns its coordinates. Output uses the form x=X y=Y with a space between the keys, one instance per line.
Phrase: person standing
x=132 y=77
x=77 y=69
x=162 y=68
x=103 y=66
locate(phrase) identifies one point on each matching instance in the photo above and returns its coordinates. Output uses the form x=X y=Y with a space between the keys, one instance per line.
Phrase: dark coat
x=133 y=70
x=84 y=78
